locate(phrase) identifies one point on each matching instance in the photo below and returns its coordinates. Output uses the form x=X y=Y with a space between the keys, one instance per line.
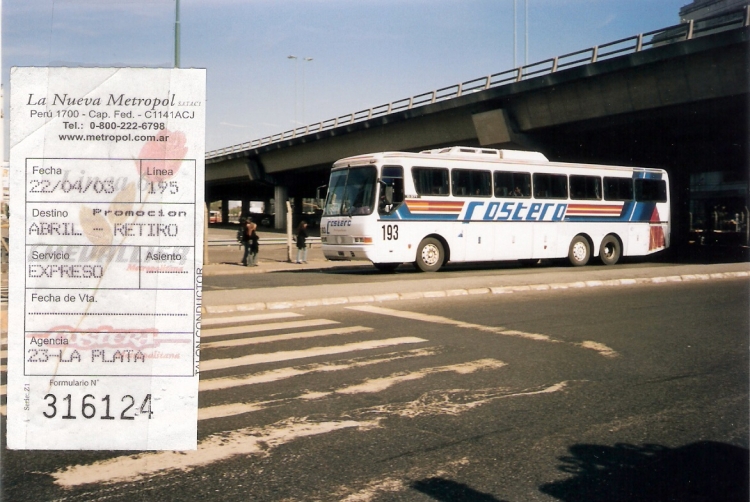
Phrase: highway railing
x=739 y=18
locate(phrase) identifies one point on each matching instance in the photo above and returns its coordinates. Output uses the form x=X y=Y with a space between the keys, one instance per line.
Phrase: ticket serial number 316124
x=90 y=406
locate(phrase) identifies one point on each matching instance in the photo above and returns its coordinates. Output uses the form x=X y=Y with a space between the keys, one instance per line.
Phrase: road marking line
x=380 y=384
x=215 y=448
x=215 y=364
x=416 y=316
x=372 y=385
x=260 y=441
x=455 y=401
x=254 y=328
x=205 y=322
x=290 y=372
x=287 y=336
x=373 y=490
x=599 y=347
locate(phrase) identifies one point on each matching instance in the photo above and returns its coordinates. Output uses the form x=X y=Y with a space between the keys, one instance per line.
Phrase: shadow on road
x=446 y=490
x=703 y=471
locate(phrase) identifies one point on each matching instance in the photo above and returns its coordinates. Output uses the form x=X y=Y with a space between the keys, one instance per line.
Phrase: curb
x=340 y=300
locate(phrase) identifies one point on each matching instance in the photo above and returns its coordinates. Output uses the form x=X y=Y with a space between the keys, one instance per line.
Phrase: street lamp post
x=294 y=124
x=177 y=34
x=305 y=59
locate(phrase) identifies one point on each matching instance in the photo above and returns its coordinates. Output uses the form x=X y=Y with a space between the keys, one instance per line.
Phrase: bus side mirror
x=389 y=195
x=320 y=195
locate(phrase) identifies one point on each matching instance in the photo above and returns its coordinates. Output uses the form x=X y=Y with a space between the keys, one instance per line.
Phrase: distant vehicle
x=476 y=204
x=214 y=217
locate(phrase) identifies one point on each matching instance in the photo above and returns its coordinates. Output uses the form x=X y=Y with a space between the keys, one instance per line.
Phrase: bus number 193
x=390 y=232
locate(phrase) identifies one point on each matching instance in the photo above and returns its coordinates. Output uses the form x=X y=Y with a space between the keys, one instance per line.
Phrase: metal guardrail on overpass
x=676 y=33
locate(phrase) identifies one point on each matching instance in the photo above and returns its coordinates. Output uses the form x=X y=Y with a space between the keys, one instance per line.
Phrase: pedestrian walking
x=302 y=242
x=253 y=258
x=243 y=235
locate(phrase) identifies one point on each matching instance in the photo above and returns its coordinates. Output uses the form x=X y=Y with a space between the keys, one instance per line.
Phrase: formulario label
x=106 y=234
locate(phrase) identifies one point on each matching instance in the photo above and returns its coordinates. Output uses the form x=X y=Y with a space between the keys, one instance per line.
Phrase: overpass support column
x=279 y=201
x=495 y=129
x=225 y=211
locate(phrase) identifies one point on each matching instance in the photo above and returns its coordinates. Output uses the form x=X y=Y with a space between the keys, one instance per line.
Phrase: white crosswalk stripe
x=288 y=355
x=288 y=336
x=206 y=322
x=293 y=371
x=256 y=328
x=250 y=332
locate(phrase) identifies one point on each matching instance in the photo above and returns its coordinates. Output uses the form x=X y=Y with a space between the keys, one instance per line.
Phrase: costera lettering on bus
x=515 y=211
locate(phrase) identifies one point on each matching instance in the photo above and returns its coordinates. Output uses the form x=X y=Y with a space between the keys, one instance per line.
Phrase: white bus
x=463 y=204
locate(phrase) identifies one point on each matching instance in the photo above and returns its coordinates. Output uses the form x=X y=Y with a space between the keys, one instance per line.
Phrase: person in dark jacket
x=246 y=225
x=302 y=242
x=253 y=262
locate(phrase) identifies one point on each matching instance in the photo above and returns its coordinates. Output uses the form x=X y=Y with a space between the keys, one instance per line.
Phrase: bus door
x=513 y=235
x=478 y=240
x=549 y=188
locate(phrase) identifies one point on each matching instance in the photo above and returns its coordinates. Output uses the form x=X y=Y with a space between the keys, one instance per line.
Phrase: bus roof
x=475 y=154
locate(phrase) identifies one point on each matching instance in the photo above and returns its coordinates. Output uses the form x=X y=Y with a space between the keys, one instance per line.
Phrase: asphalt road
x=637 y=393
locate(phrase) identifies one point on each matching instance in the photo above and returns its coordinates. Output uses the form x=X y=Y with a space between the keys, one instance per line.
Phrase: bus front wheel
x=579 y=252
x=430 y=255
x=610 y=250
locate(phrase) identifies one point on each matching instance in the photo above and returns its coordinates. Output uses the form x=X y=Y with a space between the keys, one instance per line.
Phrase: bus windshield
x=351 y=191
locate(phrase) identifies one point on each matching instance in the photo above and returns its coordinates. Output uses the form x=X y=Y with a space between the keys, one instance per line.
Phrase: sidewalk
x=439 y=285
x=226 y=260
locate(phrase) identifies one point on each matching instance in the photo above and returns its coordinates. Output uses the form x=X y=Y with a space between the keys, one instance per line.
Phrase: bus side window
x=471 y=182
x=550 y=186
x=650 y=190
x=618 y=188
x=430 y=180
x=512 y=184
x=585 y=187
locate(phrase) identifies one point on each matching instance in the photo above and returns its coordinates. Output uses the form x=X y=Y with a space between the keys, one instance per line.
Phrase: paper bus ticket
x=106 y=248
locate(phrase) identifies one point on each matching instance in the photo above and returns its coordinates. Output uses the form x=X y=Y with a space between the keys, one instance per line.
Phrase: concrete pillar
x=279 y=199
x=297 y=211
x=495 y=129
x=224 y=211
x=245 y=208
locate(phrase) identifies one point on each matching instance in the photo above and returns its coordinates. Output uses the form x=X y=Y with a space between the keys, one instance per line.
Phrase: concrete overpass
x=675 y=98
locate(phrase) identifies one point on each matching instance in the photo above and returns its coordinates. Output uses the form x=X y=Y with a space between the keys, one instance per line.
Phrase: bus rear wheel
x=579 y=251
x=386 y=267
x=610 y=250
x=430 y=255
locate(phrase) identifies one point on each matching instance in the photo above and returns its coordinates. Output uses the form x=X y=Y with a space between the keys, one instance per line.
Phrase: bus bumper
x=346 y=253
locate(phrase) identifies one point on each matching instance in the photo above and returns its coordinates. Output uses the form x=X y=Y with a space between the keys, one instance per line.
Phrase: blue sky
x=364 y=52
